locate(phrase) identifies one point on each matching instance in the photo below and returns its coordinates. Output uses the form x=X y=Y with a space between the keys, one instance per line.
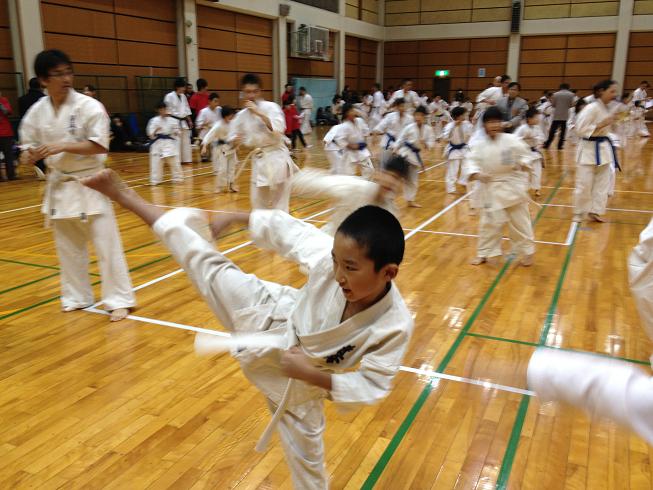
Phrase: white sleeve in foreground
x=289 y=237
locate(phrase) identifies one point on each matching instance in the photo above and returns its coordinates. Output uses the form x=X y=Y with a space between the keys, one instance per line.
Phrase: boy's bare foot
x=119 y=314
x=596 y=217
x=478 y=261
x=537 y=193
x=68 y=309
x=527 y=260
x=414 y=204
x=107 y=182
x=218 y=190
x=577 y=218
x=233 y=188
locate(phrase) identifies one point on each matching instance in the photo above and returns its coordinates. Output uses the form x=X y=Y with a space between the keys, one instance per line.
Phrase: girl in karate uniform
x=457 y=134
x=164 y=132
x=223 y=154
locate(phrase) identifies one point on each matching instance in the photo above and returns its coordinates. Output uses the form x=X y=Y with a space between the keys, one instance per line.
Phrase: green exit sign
x=441 y=73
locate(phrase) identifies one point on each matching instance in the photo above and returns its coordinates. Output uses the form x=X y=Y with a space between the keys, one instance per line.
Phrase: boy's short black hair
x=89 y=87
x=397 y=165
x=458 y=111
x=531 y=112
x=638 y=103
x=492 y=114
x=201 y=83
x=603 y=85
x=34 y=83
x=564 y=86
x=421 y=109
x=302 y=88
x=180 y=82
x=379 y=232
x=346 y=108
x=227 y=111
x=514 y=84
x=505 y=78
x=250 y=79
x=161 y=105
x=399 y=101
x=48 y=60
x=213 y=96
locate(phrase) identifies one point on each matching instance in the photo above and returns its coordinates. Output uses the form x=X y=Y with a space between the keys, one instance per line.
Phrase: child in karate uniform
x=596 y=154
x=179 y=109
x=332 y=151
x=350 y=192
x=532 y=134
x=351 y=139
x=346 y=330
x=639 y=119
x=393 y=124
x=501 y=162
x=164 y=132
x=223 y=153
x=457 y=133
x=207 y=117
x=414 y=138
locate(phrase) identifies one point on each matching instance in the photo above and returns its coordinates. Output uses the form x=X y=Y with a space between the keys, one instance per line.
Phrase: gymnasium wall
x=462 y=57
x=360 y=63
x=232 y=44
x=304 y=67
x=640 y=60
x=555 y=9
x=114 y=37
x=643 y=7
x=365 y=10
x=6 y=55
x=413 y=12
x=578 y=59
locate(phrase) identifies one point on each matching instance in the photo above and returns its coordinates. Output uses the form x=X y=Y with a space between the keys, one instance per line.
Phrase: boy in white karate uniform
x=261 y=126
x=378 y=103
x=223 y=151
x=415 y=137
x=439 y=114
x=596 y=153
x=457 y=134
x=350 y=192
x=393 y=124
x=408 y=95
x=351 y=138
x=332 y=150
x=532 y=134
x=602 y=386
x=639 y=120
x=178 y=108
x=348 y=328
x=207 y=118
x=305 y=101
x=164 y=132
x=501 y=163
x=71 y=132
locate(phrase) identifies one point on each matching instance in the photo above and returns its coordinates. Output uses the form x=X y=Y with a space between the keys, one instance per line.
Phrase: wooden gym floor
x=85 y=403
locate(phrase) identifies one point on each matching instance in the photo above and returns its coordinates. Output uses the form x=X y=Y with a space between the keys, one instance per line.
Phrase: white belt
x=54 y=178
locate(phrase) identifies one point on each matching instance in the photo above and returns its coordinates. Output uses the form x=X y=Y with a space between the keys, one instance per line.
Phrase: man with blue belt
x=596 y=153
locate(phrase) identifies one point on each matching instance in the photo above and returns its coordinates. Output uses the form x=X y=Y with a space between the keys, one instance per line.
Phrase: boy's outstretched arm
x=108 y=183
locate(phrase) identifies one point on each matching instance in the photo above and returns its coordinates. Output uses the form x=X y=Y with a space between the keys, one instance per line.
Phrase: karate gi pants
x=306 y=122
x=604 y=387
x=334 y=159
x=412 y=183
x=156 y=169
x=228 y=291
x=592 y=187
x=185 y=150
x=453 y=170
x=266 y=197
x=71 y=237
x=224 y=168
x=536 y=175
x=520 y=230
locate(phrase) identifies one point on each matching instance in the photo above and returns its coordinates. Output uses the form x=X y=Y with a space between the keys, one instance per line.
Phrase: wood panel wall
x=6 y=54
x=640 y=60
x=114 y=37
x=578 y=59
x=365 y=10
x=643 y=7
x=230 y=45
x=411 y=12
x=360 y=63
x=304 y=67
x=555 y=9
x=462 y=57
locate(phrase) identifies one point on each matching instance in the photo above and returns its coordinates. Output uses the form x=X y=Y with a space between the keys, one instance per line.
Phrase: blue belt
x=599 y=140
x=415 y=150
x=391 y=139
x=453 y=147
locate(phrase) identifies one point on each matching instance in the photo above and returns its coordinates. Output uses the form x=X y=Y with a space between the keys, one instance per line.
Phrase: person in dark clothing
x=121 y=138
x=34 y=93
x=7 y=137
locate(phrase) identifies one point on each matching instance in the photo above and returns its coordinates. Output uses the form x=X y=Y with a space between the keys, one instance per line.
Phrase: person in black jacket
x=28 y=100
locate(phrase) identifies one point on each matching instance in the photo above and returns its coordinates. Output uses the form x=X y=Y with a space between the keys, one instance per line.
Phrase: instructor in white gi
x=177 y=103
x=71 y=132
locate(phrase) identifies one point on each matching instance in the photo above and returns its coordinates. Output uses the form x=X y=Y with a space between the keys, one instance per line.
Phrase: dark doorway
x=442 y=86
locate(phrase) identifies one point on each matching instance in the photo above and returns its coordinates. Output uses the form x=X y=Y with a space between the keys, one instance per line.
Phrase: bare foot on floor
x=527 y=260
x=478 y=261
x=119 y=314
x=414 y=204
x=596 y=217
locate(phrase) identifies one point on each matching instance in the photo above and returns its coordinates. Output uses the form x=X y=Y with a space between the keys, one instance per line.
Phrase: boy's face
x=492 y=127
x=419 y=118
x=251 y=92
x=354 y=272
x=214 y=103
x=60 y=79
x=229 y=117
x=401 y=108
x=163 y=111
x=532 y=121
